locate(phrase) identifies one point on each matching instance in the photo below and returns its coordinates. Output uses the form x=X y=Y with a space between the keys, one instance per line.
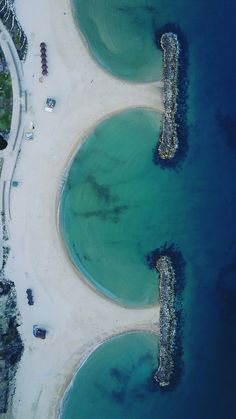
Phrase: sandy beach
x=77 y=318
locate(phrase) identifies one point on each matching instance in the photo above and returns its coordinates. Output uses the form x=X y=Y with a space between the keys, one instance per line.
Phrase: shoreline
x=61 y=187
x=63 y=303
x=85 y=357
x=101 y=66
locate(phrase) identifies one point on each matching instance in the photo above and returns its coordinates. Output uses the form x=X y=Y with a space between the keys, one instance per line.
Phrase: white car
x=50 y=104
x=29 y=135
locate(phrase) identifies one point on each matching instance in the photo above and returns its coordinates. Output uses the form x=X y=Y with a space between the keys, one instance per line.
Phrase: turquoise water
x=112 y=207
x=117 y=373
x=117 y=207
x=120 y=35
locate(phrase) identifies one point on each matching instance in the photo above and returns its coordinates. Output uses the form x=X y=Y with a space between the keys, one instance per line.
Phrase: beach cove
x=42 y=264
x=196 y=222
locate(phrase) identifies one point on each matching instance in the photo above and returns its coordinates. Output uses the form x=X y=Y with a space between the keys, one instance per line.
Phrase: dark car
x=39 y=332
x=30 y=297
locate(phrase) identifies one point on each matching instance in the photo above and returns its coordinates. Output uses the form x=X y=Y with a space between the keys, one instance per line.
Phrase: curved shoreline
x=98 y=63
x=64 y=391
x=84 y=275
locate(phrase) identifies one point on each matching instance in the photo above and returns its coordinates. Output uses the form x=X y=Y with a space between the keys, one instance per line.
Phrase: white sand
x=77 y=318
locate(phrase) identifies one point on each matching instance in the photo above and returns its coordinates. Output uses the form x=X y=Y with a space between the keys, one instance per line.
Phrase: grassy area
x=5 y=100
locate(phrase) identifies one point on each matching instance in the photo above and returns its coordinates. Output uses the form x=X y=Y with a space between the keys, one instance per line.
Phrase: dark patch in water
x=132 y=9
x=227 y=124
x=113 y=242
x=112 y=214
x=118 y=396
x=102 y=191
x=143 y=359
x=139 y=14
x=119 y=375
x=86 y=257
x=139 y=393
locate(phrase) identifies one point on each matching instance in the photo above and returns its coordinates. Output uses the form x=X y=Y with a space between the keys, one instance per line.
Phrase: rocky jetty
x=11 y=22
x=169 y=141
x=167 y=321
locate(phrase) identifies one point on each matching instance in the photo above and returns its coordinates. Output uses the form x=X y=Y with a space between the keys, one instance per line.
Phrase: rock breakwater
x=181 y=108
x=167 y=321
x=170 y=264
x=169 y=140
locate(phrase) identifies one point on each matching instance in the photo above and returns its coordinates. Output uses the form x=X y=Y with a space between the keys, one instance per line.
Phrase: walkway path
x=11 y=153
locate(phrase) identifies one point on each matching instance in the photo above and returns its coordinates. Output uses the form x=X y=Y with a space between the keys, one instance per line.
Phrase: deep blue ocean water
x=207 y=388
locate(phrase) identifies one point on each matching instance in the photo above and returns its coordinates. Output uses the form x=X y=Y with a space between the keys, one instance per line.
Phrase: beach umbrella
x=44 y=72
x=44 y=66
x=43 y=52
x=42 y=45
x=43 y=60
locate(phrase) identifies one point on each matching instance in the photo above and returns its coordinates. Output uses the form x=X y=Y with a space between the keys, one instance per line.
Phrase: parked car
x=30 y=297
x=50 y=104
x=39 y=332
x=29 y=135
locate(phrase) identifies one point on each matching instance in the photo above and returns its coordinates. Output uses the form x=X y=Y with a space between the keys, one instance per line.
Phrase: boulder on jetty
x=167 y=321
x=169 y=142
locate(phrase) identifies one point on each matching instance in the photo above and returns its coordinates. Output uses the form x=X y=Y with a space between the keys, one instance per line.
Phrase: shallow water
x=121 y=36
x=117 y=373
x=111 y=210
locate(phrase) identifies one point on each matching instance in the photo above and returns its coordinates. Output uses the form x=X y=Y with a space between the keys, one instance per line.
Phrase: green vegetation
x=5 y=100
x=9 y=19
